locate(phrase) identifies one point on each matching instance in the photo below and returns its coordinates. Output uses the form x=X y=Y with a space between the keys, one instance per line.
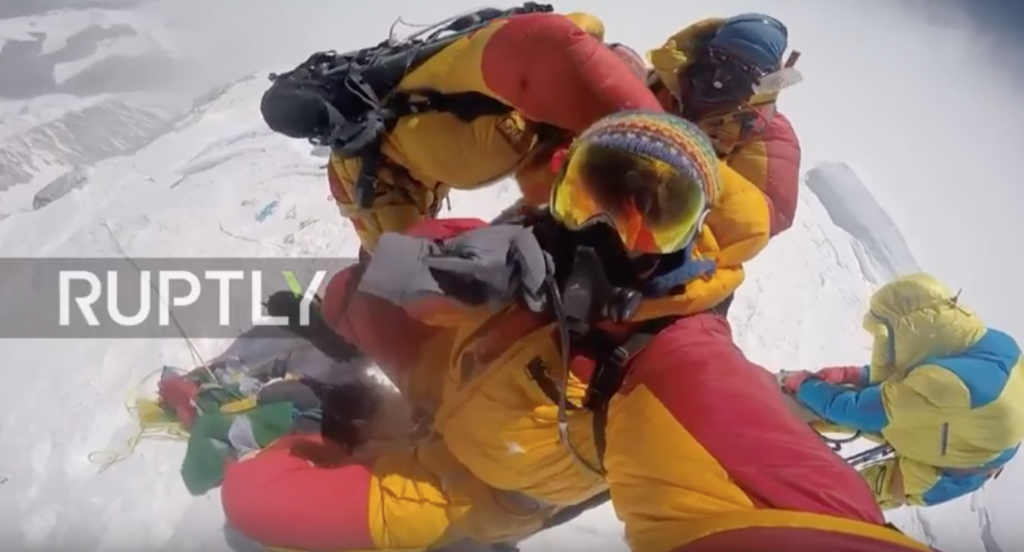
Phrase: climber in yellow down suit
x=552 y=70
x=551 y=76
x=945 y=391
x=575 y=352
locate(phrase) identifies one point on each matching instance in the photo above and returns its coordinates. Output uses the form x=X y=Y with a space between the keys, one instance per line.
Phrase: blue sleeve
x=865 y=376
x=948 y=488
x=858 y=410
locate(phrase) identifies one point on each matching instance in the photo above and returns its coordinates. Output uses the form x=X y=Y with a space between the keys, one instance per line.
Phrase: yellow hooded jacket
x=943 y=389
x=756 y=142
x=552 y=70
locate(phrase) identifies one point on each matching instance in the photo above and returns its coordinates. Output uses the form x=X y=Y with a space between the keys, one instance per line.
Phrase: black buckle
x=619 y=357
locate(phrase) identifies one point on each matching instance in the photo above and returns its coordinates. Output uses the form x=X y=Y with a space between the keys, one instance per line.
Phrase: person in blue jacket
x=943 y=389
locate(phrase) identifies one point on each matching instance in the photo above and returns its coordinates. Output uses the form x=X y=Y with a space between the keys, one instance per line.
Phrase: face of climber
x=745 y=49
x=718 y=83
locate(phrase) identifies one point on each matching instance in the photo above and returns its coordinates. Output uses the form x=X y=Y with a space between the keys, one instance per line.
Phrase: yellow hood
x=914 y=318
x=680 y=50
x=589 y=23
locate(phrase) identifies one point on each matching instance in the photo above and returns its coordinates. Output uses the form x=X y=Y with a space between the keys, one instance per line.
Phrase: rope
x=877 y=453
x=836 y=444
x=159 y=431
x=197 y=358
x=557 y=307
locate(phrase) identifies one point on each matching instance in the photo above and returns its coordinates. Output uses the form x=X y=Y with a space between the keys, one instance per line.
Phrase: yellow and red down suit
x=702 y=454
x=551 y=68
x=756 y=140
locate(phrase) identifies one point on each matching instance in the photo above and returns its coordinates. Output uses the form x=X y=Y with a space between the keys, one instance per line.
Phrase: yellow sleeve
x=878 y=374
x=396 y=207
x=589 y=23
x=927 y=392
x=740 y=220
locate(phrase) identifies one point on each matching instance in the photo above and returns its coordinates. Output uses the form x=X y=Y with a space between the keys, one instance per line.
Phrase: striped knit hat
x=664 y=137
x=682 y=153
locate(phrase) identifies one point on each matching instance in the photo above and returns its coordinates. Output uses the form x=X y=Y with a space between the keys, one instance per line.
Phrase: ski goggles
x=663 y=229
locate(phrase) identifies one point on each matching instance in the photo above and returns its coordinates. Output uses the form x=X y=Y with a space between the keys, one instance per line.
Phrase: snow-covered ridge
x=881 y=248
x=20 y=8
x=80 y=81
x=221 y=184
x=51 y=145
x=33 y=144
x=82 y=52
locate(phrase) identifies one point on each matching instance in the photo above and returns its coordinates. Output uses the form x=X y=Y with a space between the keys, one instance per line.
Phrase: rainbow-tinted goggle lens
x=668 y=227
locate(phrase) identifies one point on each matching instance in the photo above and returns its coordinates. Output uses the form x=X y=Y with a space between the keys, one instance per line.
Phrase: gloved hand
x=506 y=260
x=286 y=304
x=489 y=265
x=791 y=381
x=841 y=375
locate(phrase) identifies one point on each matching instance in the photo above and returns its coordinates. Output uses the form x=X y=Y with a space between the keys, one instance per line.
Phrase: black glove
x=286 y=304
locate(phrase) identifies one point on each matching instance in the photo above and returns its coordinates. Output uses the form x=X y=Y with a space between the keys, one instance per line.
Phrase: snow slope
x=45 y=137
x=881 y=249
x=203 y=190
x=77 y=85
x=80 y=50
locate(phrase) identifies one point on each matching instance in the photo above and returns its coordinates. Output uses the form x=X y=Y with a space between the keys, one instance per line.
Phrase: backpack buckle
x=619 y=357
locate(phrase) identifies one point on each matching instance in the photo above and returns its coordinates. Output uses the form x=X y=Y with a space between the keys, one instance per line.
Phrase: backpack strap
x=609 y=373
x=612 y=358
x=466 y=106
x=607 y=379
x=612 y=365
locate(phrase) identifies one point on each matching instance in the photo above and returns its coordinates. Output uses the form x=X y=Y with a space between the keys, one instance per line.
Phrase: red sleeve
x=782 y=172
x=554 y=72
x=734 y=409
x=374 y=325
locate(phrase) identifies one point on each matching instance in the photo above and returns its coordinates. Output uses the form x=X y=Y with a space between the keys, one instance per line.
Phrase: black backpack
x=348 y=102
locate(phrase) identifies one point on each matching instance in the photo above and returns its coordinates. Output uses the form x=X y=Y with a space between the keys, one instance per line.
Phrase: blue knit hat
x=754 y=38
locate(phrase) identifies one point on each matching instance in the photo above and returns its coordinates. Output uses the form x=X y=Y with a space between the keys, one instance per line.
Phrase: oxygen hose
x=565 y=346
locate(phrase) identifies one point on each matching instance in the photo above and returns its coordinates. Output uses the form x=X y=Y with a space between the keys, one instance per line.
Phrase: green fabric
x=209 y=450
x=212 y=395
